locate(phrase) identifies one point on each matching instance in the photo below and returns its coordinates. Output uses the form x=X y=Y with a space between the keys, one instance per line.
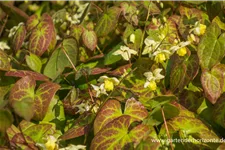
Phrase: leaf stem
x=69 y=59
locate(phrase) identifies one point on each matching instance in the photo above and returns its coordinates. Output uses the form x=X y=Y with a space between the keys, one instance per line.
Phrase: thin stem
x=69 y=59
x=167 y=131
x=99 y=50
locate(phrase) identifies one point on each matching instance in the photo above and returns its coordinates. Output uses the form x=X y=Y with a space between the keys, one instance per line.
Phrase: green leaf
x=34 y=62
x=6 y=119
x=58 y=61
x=44 y=95
x=41 y=36
x=219 y=22
x=149 y=144
x=110 y=58
x=76 y=32
x=19 y=38
x=3 y=91
x=22 y=97
x=108 y=112
x=211 y=49
x=218 y=71
x=116 y=134
x=108 y=21
x=160 y=100
x=4 y=61
x=211 y=86
x=89 y=39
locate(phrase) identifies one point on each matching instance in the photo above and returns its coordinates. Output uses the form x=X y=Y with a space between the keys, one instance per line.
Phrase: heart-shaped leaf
x=115 y=135
x=41 y=36
x=22 y=97
x=108 y=21
x=34 y=62
x=89 y=39
x=22 y=73
x=58 y=61
x=108 y=112
x=4 y=61
x=44 y=95
x=18 y=38
x=211 y=48
x=211 y=86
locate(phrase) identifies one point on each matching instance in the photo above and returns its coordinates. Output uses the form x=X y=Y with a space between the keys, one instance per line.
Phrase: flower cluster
x=3 y=45
x=107 y=84
x=152 y=78
x=13 y=30
x=125 y=52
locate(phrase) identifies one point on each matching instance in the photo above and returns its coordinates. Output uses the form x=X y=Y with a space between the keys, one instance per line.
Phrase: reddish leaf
x=135 y=109
x=75 y=132
x=22 y=97
x=22 y=73
x=96 y=71
x=108 y=112
x=41 y=36
x=120 y=70
x=44 y=95
x=19 y=37
x=32 y=22
x=211 y=86
x=89 y=39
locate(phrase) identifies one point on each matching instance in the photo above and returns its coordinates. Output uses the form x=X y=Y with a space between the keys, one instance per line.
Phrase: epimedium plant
x=112 y=75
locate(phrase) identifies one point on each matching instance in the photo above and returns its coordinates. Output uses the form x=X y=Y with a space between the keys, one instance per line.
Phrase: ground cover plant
x=145 y=75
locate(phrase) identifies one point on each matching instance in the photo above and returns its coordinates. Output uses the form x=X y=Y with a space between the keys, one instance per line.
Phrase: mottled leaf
x=218 y=71
x=148 y=144
x=32 y=22
x=22 y=73
x=41 y=36
x=108 y=112
x=76 y=32
x=211 y=48
x=22 y=97
x=211 y=86
x=135 y=109
x=4 y=61
x=89 y=39
x=75 y=132
x=18 y=38
x=34 y=62
x=6 y=119
x=115 y=135
x=58 y=61
x=108 y=21
x=44 y=95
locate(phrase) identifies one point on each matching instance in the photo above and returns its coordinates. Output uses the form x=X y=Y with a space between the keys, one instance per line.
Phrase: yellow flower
x=152 y=85
x=182 y=51
x=160 y=58
x=200 y=29
x=109 y=86
x=50 y=144
x=191 y=38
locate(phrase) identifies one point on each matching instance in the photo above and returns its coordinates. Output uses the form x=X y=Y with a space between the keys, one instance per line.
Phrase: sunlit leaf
x=22 y=97
x=6 y=119
x=34 y=62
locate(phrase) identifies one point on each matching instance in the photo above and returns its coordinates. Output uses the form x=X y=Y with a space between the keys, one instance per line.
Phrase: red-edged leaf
x=4 y=61
x=96 y=71
x=108 y=112
x=75 y=132
x=22 y=97
x=211 y=86
x=135 y=109
x=32 y=22
x=41 y=36
x=115 y=135
x=44 y=95
x=22 y=73
x=89 y=39
x=111 y=135
x=19 y=37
